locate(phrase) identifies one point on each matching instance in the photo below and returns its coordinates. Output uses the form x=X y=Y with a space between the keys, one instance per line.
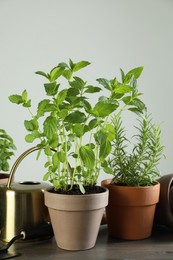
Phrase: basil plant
x=75 y=134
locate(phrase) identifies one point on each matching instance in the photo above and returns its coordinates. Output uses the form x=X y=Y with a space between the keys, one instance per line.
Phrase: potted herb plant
x=7 y=148
x=76 y=137
x=133 y=190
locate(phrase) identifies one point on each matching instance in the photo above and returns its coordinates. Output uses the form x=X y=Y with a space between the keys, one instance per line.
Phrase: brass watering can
x=21 y=203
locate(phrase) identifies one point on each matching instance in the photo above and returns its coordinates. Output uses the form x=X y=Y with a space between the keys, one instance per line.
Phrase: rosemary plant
x=139 y=167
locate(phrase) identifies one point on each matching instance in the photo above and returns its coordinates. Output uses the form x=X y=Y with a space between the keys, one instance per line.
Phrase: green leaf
x=75 y=117
x=50 y=127
x=75 y=155
x=103 y=99
x=123 y=89
x=81 y=187
x=61 y=156
x=71 y=63
x=80 y=65
x=63 y=113
x=47 y=164
x=87 y=156
x=41 y=107
x=53 y=142
x=78 y=129
x=42 y=74
x=138 y=105
x=108 y=170
x=48 y=151
x=127 y=100
x=63 y=65
x=105 y=83
x=110 y=131
x=105 y=149
x=30 y=138
x=93 y=123
x=92 y=89
x=61 y=96
x=77 y=83
x=136 y=72
x=55 y=160
x=101 y=136
x=51 y=88
x=67 y=74
x=17 y=99
x=56 y=73
x=102 y=109
x=122 y=75
x=135 y=110
x=72 y=92
x=46 y=176
x=31 y=125
x=24 y=96
x=114 y=83
x=77 y=102
x=86 y=106
x=27 y=104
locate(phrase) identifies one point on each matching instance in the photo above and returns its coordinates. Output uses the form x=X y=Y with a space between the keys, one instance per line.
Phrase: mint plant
x=75 y=135
x=138 y=167
x=7 y=148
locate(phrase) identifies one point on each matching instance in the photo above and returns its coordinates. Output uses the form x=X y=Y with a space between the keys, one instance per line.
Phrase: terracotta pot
x=4 y=178
x=76 y=218
x=130 y=211
x=164 y=209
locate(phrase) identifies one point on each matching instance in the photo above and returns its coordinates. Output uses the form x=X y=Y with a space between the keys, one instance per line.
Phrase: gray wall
x=111 y=34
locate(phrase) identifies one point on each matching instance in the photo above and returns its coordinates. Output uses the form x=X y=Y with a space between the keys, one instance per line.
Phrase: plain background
x=111 y=34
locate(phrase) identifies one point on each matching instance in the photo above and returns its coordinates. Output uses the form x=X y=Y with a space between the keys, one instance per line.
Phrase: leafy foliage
x=75 y=135
x=138 y=168
x=6 y=150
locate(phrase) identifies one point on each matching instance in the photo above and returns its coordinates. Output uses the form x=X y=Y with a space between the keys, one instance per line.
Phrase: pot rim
x=106 y=183
x=76 y=202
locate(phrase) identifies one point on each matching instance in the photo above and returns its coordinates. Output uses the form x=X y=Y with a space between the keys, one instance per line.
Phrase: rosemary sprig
x=138 y=168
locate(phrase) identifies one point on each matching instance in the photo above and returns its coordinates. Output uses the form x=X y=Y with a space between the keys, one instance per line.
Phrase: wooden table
x=158 y=246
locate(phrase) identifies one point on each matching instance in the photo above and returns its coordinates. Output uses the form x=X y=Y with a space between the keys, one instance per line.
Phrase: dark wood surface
x=158 y=246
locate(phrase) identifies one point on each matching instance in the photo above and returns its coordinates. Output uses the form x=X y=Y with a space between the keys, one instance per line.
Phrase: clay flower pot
x=76 y=218
x=130 y=211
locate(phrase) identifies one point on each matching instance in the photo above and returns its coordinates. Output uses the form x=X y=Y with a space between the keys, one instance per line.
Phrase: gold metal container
x=21 y=204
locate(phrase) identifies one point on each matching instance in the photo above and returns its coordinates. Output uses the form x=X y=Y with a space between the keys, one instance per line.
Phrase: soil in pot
x=75 y=191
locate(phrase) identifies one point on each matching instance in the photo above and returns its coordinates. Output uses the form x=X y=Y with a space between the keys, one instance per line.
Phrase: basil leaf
x=75 y=117
x=80 y=65
x=87 y=156
x=102 y=109
x=50 y=127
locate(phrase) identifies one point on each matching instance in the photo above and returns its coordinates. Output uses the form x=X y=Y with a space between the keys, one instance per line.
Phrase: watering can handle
x=17 y=162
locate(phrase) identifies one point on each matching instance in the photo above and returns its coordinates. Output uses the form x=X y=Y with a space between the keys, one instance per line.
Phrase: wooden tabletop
x=158 y=246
